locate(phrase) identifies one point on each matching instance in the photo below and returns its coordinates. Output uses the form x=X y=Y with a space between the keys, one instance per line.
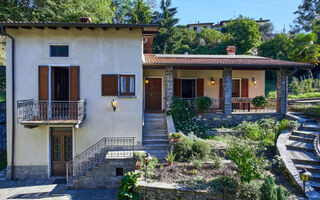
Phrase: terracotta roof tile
x=218 y=60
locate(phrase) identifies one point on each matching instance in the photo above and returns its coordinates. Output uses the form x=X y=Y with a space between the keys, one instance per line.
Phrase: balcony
x=33 y=113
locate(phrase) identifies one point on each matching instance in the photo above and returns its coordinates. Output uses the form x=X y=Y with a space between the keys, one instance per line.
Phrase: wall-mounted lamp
x=254 y=82
x=212 y=81
x=147 y=81
x=114 y=104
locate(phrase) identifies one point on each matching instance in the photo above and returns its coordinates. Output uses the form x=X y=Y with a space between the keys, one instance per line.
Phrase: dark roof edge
x=307 y=66
x=76 y=24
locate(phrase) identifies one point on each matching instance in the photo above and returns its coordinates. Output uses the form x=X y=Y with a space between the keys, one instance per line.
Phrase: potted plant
x=259 y=102
x=170 y=158
x=176 y=137
x=138 y=157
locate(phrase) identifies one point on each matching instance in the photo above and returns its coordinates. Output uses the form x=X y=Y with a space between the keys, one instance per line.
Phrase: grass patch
x=310 y=110
x=3 y=160
x=273 y=95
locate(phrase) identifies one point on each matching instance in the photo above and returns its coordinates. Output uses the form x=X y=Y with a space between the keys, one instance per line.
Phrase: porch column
x=169 y=87
x=282 y=91
x=227 y=90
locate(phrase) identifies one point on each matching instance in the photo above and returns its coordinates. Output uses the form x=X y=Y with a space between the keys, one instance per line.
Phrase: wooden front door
x=61 y=150
x=153 y=94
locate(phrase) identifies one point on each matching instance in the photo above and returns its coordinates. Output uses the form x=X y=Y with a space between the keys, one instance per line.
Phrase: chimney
x=231 y=50
x=85 y=19
x=147 y=43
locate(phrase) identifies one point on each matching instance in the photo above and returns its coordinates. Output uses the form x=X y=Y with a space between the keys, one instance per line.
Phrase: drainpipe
x=13 y=102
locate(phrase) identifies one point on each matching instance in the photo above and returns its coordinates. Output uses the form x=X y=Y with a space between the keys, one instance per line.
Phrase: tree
x=169 y=38
x=307 y=13
x=304 y=48
x=276 y=48
x=140 y=13
x=211 y=37
x=244 y=34
x=121 y=10
x=99 y=11
x=266 y=28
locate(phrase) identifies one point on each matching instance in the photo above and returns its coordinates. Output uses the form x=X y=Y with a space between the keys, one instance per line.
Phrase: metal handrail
x=107 y=146
x=44 y=110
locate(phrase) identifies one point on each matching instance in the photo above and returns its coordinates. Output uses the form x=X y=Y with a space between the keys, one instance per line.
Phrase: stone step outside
x=154 y=115
x=301 y=138
x=150 y=137
x=315 y=184
x=156 y=132
x=156 y=141
x=305 y=133
x=309 y=167
x=156 y=147
x=303 y=157
x=300 y=145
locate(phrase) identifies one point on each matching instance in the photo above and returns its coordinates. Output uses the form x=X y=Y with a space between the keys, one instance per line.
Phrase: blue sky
x=280 y=12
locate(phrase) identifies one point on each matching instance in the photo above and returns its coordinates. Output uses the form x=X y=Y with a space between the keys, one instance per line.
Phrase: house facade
x=71 y=85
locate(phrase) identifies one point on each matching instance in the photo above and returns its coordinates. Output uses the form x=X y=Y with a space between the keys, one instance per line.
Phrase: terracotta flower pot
x=175 y=140
x=138 y=165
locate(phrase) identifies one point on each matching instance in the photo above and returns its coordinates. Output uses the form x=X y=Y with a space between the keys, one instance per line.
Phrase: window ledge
x=127 y=97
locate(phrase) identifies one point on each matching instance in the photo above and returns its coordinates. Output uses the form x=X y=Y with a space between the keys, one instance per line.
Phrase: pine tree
x=169 y=38
x=140 y=13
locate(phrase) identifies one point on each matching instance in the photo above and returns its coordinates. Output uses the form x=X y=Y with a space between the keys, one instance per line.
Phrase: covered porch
x=230 y=81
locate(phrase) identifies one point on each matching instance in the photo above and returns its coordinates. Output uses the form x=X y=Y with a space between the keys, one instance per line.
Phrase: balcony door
x=60 y=83
x=58 y=92
x=61 y=150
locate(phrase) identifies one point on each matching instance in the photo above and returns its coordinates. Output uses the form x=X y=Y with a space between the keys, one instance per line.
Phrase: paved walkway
x=47 y=189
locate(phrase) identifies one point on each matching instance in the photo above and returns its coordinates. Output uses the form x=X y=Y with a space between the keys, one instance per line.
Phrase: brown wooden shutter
x=74 y=83
x=109 y=85
x=43 y=83
x=220 y=88
x=200 y=87
x=177 y=87
x=244 y=88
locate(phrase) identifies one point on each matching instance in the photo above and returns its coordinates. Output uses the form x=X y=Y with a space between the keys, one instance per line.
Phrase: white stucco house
x=76 y=88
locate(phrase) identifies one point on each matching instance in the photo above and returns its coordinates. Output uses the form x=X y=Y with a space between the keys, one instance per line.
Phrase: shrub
x=272 y=95
x=268 y=190
x=259 y=102
x=217 y=161
x=183 y=115
x=176 y=135
x=183 y=149
x=281 y=193
x=188 y=149
x=267 y=123
x=200 y=149
x=250 y=190
x=197 y=164
x=245 y=157
x=127 y=185
x=224 y=185
x=203 y=104
x=287 y=124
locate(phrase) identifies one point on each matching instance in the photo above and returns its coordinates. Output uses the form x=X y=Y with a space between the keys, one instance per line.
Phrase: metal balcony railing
x=47 y=111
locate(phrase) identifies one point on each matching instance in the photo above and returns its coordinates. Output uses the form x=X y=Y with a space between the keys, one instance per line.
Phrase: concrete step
x=154 y=115
x=150 y=137
x=164 y=147
x=300 y=145
x=156 y=131
x=309 y=167
x=301 y=138
x=305 y=133
x=303 y=157
x=156 y=141
x=315 y=184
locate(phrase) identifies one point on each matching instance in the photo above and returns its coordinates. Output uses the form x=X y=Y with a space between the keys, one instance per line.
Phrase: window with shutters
x=118 y=85
x=127 y=85
x=109 y=85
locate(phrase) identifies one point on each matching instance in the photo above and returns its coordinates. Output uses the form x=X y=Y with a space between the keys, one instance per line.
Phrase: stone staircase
x=100 y=167
x=301 y=149
x=155 y=135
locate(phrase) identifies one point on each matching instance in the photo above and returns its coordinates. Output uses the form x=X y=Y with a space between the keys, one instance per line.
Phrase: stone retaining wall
x=155 y=191
x=221 y=119
x=29 y=171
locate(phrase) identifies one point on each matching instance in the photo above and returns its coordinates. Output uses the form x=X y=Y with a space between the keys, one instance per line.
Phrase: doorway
x=60 y=84
x=153 y=94
x=61 y=150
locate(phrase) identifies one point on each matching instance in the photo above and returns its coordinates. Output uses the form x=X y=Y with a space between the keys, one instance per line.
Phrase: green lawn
x=312 y=111
x=270 y=86
x=3 y=160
